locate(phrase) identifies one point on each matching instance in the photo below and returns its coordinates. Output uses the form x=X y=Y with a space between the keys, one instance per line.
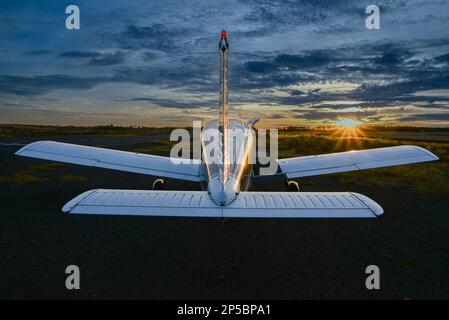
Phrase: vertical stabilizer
x=223 y=120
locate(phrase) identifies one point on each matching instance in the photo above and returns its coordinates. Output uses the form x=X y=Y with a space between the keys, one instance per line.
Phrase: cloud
x=323 y=115
x=108 y=59
x=148 y=56
x=96 y=58
x=156 y=30
x=427 y=117
x=259 y=66
x=312 y=59
x=80 y=54
x=39 y=52
x=391 y=55
x=36 y=85
x=156 y=36
x=37 y=114
x=315 y=55
x=443 y=58
x=171 y=103
x=420 y=80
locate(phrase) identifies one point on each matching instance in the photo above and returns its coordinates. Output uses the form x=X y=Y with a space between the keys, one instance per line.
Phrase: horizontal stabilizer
x=113 y=159
x=247 y=204
x=354 y=160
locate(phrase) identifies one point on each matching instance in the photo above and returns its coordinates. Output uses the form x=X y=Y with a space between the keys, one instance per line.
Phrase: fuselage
x=224 y=188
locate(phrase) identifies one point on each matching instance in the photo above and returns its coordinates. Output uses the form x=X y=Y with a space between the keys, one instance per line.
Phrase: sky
x=155 y=63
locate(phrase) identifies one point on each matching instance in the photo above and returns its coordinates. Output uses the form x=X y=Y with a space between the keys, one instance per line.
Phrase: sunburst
x=349 y=135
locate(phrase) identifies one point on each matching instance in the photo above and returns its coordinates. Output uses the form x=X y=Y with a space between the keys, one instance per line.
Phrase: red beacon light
x=223 y=45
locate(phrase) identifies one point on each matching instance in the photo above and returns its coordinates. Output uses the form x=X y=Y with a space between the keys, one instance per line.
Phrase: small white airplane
x=227 y=181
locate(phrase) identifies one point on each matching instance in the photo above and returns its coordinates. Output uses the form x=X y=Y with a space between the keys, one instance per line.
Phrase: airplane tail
x=223 y=48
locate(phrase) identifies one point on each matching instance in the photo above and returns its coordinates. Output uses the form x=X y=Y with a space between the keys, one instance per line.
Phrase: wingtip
x=432 y=156
x=22 y=151
x=370 y=203
x=68 y=207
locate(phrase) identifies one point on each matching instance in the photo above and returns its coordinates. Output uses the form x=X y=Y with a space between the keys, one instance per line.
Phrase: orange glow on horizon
x=349 y=137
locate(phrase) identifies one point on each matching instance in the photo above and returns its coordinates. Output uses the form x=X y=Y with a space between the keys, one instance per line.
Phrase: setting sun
x=349 y=133
x=348 y=123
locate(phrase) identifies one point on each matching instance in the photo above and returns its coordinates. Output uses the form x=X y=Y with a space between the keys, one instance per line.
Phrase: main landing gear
x=292 y=185
x=158 y=184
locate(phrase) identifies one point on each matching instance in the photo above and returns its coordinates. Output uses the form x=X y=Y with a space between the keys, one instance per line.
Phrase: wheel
x=158 y=184
x=292 y=185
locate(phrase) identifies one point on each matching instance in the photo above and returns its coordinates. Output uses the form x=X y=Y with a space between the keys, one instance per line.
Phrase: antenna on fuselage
x=223 y=48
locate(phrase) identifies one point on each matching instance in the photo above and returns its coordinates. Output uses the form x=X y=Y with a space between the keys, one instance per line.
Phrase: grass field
x=423 y=178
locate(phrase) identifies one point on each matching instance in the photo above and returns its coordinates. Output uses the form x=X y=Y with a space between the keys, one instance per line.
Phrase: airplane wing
x=247 y=204
x=113 y=159
x=354 y=160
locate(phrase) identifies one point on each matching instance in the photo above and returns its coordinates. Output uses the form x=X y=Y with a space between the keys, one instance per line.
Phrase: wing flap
x=354 y=160
x=113 y=159
x=247 y=204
